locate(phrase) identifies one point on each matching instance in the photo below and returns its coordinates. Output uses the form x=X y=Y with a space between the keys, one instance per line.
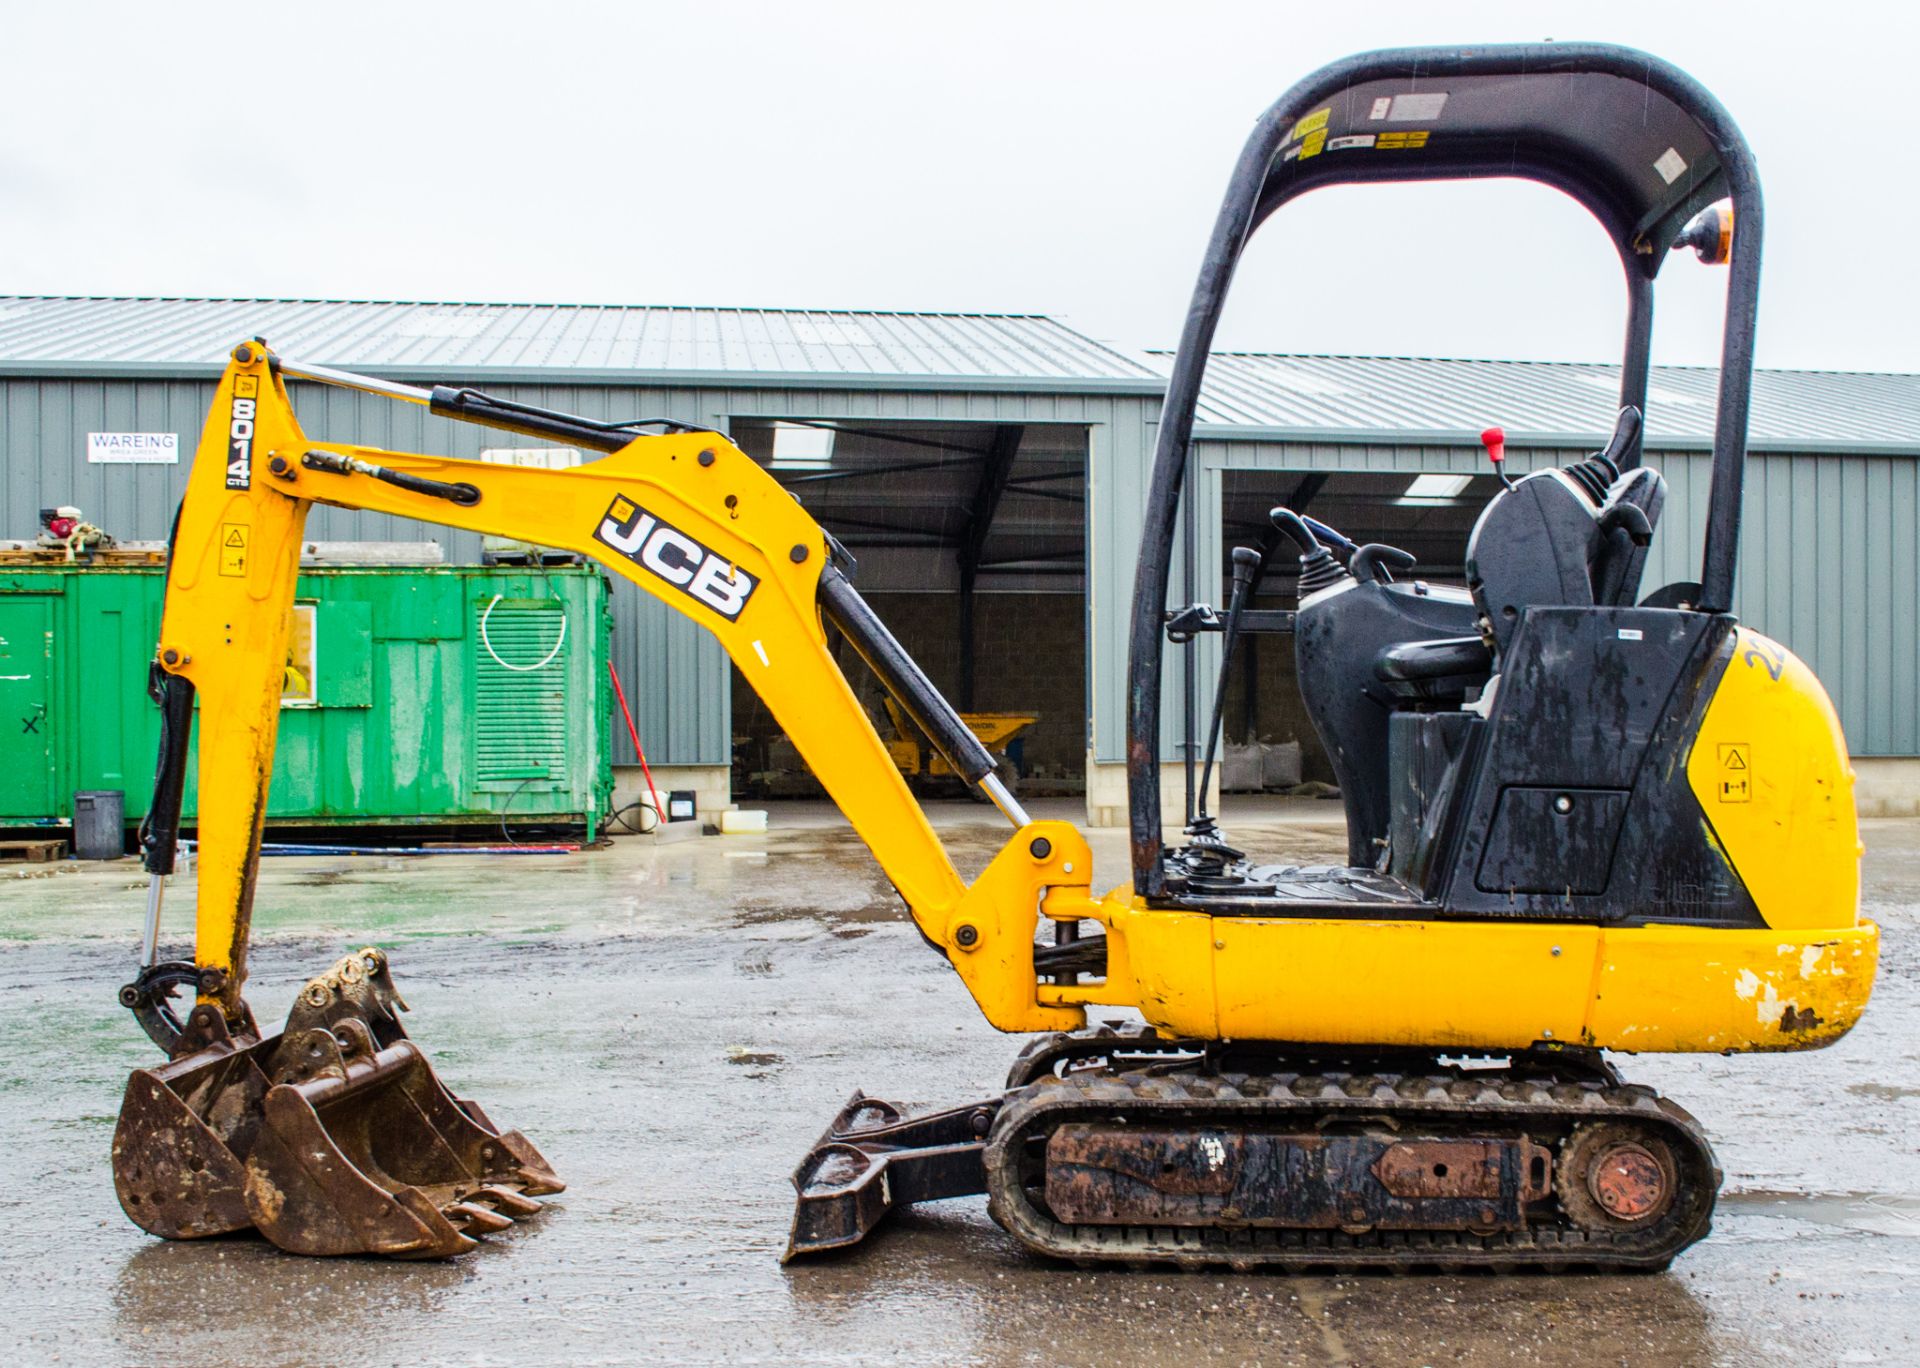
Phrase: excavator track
x=1191 y=1165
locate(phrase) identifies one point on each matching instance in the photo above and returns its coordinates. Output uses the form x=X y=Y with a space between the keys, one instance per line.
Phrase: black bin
x=99 y=824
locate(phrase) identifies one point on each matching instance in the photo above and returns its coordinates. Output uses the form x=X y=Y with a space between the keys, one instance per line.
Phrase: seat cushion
x=1434 y=670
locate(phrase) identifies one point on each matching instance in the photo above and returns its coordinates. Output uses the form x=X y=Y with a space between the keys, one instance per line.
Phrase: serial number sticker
x=1417 y=107
x=240 y=436
x=1632 y=634
x=1350 y=140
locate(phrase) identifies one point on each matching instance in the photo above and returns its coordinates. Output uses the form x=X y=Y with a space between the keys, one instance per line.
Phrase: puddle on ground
x=1881 y=1091
x=1879 y=1213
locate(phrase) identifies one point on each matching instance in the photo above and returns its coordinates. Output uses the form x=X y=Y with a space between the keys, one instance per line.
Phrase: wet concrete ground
x=674 y=1024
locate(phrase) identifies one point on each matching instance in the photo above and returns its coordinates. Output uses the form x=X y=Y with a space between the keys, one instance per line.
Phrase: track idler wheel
x=333 y=1137
x=1613 y=1177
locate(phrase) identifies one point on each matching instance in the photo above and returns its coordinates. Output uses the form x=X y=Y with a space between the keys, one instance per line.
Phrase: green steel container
x=428 y=695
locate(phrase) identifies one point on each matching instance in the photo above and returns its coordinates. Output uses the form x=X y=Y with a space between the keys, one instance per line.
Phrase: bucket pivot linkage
x=334 y=1136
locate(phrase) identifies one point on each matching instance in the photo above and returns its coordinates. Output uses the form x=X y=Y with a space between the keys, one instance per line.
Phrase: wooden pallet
x=18 y=553
x=32 y=852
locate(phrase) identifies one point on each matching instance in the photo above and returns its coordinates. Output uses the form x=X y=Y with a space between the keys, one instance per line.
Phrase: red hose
x=659 y=813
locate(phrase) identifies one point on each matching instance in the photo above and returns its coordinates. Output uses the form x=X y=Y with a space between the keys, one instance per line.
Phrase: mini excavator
x=1583 y=815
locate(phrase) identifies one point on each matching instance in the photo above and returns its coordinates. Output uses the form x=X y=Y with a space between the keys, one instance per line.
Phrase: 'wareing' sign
x=705 y=576
x=133 y=448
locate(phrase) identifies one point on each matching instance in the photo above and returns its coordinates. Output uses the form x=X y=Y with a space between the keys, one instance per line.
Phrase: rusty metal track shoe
x=333 y=1137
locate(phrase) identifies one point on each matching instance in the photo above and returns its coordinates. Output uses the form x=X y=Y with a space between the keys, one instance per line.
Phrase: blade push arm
x=686 y=516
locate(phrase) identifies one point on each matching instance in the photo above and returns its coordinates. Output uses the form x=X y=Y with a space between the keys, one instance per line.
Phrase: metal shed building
x=1008 y=456
x=963 y=459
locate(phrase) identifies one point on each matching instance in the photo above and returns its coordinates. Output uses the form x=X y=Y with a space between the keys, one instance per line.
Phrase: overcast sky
x=1052 y=158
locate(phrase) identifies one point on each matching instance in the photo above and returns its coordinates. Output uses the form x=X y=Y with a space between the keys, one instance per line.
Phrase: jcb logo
x=703 y=575
x=240 y=439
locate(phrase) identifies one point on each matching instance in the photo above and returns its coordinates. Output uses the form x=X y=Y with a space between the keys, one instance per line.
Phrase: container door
x=26 y=729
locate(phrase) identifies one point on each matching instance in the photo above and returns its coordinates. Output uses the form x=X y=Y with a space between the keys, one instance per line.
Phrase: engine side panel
x=1769 y=768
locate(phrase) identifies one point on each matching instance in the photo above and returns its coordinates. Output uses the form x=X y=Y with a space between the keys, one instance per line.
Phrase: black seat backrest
x=1531 y=547
x=1562 y=539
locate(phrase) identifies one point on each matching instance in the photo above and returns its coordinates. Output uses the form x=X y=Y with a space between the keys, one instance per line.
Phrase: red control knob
x=1495 y=441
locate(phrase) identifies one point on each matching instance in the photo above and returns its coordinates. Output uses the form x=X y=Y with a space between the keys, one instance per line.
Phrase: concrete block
x=1887 y=785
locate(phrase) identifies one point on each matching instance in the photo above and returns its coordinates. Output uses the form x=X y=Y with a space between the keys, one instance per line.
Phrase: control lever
x=1631 y=517
x=1372 y=562
x=1318 y=569
x=1337 y=542
x=1246 y=570
x=1626 y=438
x=1495 y=441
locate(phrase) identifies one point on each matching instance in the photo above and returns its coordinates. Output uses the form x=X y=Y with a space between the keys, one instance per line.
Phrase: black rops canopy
x=1637 y=141
x=1642 y=163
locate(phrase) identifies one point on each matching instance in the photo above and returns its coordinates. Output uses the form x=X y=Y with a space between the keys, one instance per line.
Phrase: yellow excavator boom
x=687 y=516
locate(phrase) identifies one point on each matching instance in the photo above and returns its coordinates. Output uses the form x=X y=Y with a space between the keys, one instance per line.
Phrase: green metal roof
x=69 y=335
x=1546 y=403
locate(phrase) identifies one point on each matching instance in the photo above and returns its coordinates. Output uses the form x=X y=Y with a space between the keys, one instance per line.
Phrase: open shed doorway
x=1429 y=515
x=971 y=539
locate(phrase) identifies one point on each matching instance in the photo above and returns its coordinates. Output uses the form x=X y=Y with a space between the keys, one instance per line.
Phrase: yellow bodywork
x=1769 y=768
x=1799 y=983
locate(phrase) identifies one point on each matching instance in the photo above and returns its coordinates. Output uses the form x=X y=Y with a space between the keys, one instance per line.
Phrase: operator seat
x=1574 y=537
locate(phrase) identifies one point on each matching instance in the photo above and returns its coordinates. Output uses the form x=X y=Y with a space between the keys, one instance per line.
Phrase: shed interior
x=971 y=540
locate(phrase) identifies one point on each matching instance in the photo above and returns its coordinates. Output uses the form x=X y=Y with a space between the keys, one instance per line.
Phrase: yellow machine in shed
x=995 y=731
x=1584 y=814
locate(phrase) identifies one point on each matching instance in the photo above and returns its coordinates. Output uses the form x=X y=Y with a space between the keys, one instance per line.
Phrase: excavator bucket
x=334 y=1136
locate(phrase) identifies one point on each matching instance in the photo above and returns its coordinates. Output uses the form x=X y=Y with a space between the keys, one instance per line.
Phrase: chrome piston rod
x=327 y=375
x=150 y=942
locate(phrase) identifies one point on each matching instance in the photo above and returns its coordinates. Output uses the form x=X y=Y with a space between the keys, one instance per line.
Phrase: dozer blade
x=872 y=1158
x=333 y=1137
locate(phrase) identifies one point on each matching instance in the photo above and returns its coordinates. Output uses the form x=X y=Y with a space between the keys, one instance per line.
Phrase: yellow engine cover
x=1770 y=770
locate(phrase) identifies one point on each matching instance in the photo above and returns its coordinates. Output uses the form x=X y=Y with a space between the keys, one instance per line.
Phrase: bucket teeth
x=507 y=1200
x=476 y=1220
x=537 y=1183
x=333 y=1137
